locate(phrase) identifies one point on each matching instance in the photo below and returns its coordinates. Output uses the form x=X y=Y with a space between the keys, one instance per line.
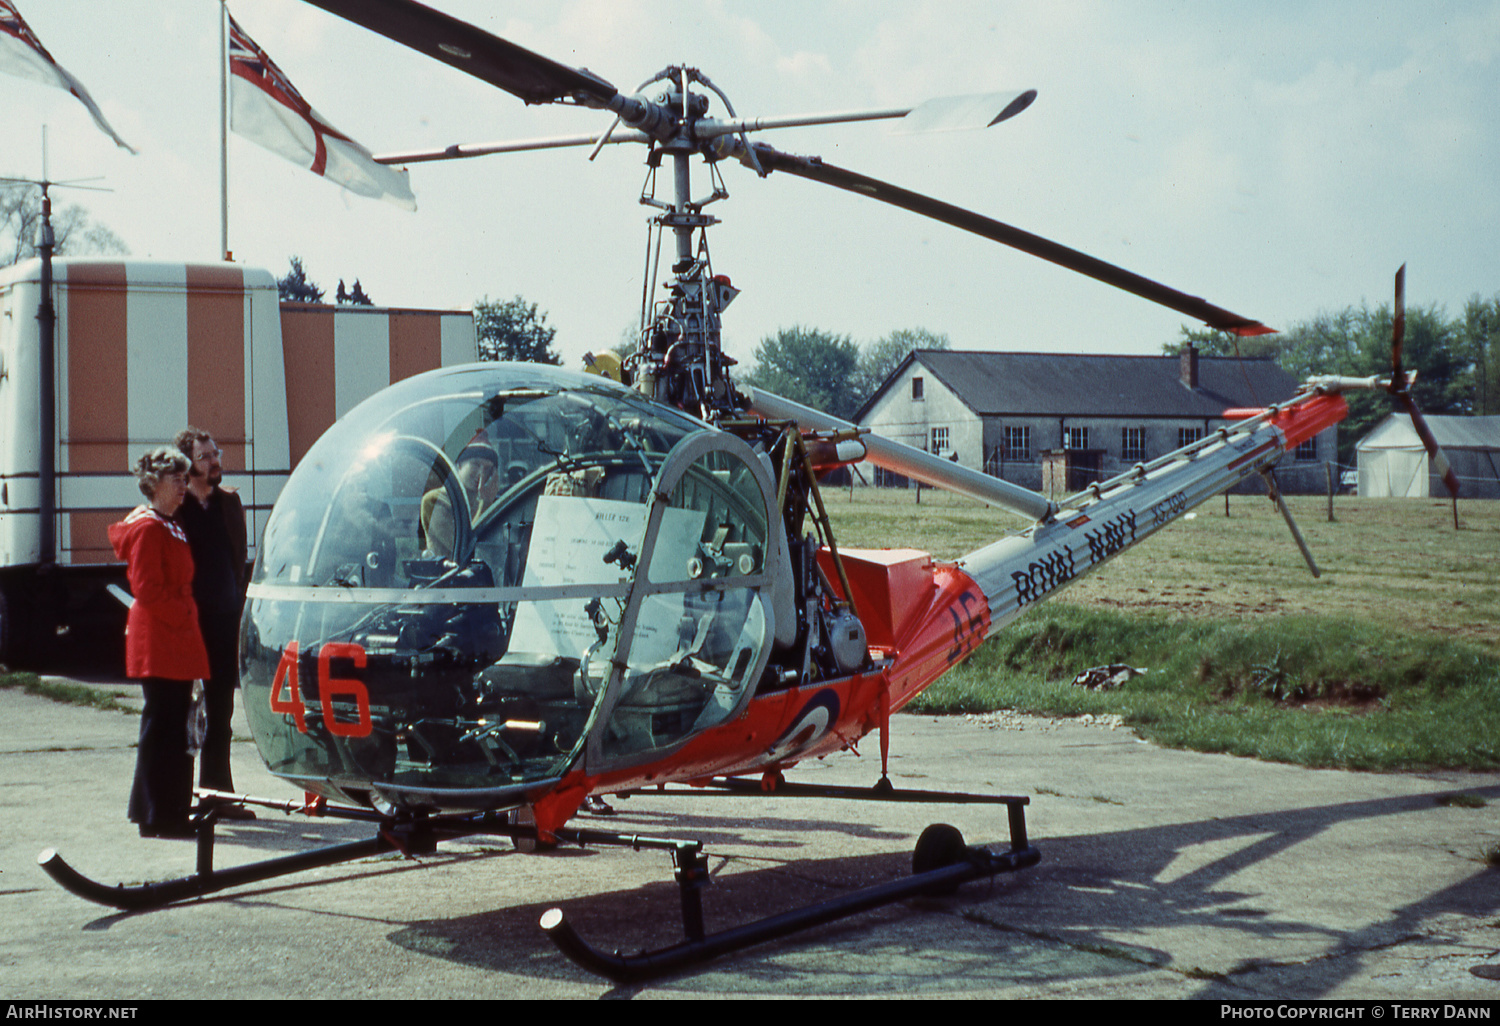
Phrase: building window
x=1308 y=450
x=1187 y=436
x=939 y=440
x=1133 y=443
x=916 y=390
x=1018 y=443
x=887 y=479
x=1077 y=438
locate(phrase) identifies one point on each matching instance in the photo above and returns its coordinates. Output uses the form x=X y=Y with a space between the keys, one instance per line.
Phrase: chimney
x=1189 y=365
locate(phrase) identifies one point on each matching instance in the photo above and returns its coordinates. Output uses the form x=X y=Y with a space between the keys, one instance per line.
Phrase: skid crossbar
x=884 y=791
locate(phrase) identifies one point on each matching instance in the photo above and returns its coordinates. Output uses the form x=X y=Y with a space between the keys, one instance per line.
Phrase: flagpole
x=223 y=133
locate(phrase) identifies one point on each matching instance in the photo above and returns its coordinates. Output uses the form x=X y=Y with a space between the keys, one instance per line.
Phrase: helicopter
x=492 y=592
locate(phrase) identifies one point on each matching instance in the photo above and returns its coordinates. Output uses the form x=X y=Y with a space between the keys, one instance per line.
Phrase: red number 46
x=286 y=692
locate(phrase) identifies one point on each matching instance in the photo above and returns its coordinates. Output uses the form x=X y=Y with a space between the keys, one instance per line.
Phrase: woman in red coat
x=163 y=647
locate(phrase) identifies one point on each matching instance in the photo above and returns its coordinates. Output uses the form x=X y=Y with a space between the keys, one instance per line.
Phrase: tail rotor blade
x=1434 y=451
x=1402 y=394
x=1398 y=332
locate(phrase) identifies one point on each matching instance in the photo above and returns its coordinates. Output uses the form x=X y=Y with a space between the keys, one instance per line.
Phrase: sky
x=1277 y=158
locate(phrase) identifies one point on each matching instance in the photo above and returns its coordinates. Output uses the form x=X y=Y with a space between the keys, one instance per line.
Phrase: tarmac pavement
x=1164 y=875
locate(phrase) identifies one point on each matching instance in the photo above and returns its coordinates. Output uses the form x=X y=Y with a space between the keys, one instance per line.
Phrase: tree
x=73 y=234
x=1216 y=342
x=630 y=341
x=881 y=357
x=1479 y=337
x=295 y=287
x=356 y=297
x=810 y=367
x=513 y=330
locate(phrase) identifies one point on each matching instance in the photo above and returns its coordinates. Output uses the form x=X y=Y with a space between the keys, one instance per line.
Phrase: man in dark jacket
x=213 y=518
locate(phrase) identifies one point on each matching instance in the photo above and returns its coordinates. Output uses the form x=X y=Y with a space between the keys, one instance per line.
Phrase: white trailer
x=142 y=350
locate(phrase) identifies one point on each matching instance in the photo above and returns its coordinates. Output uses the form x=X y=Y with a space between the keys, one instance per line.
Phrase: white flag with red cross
x=267 y=109
x=22 y=54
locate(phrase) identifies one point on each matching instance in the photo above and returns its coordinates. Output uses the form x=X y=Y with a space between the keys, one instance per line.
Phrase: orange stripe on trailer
x=98 y=423
x=307 y=345
x=88 y=535
x=416 y=344
x=216 y=358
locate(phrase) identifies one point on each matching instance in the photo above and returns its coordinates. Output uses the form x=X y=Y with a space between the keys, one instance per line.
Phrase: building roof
x=1050 y=384
x=1397 y=432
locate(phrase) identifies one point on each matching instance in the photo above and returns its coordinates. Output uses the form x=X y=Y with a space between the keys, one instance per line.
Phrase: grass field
x=1391 y=659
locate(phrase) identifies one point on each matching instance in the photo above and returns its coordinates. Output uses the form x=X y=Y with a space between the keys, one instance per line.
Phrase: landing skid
x=941 y=862
x=412 y=834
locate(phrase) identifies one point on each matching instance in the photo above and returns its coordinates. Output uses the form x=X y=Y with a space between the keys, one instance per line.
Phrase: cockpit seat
x=538 y=675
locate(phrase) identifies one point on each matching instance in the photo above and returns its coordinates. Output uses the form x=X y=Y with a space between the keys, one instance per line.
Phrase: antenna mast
x=46 y=316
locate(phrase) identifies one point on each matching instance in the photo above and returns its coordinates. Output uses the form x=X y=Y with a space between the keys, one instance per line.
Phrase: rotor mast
x=680 y=358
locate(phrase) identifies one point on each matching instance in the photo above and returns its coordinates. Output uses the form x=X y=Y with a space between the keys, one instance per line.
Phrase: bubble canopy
x=485 y=577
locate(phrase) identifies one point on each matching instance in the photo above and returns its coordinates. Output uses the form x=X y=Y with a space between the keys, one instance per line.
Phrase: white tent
x=1392 y=461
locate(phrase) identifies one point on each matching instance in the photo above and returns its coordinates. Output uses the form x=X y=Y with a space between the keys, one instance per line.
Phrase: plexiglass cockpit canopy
x=485 y=576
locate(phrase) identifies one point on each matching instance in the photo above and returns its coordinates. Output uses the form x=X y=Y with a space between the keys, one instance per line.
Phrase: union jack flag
x=268 y=109
x=22 y=54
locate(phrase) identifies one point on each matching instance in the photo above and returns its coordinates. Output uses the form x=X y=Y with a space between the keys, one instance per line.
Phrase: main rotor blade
x=815 y=169
x=945 y=114
x=532 y=77
x=459 y=151
x=965 y=113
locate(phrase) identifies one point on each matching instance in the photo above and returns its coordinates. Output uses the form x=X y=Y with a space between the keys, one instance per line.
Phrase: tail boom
x=923 y=617
x=1098 y=524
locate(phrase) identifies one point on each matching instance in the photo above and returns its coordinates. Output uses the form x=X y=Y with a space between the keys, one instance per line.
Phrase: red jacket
x=161 y=632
